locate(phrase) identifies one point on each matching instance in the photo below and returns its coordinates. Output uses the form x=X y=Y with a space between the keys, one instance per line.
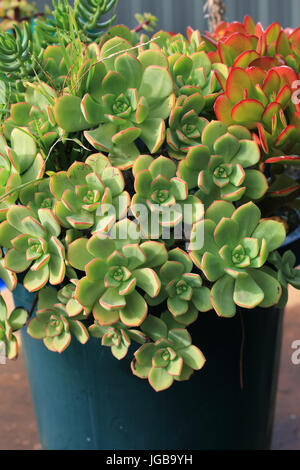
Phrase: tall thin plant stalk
x=215 y=12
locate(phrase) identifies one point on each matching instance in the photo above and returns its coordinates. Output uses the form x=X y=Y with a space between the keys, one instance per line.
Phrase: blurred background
x=175 y=15
x=18 y=428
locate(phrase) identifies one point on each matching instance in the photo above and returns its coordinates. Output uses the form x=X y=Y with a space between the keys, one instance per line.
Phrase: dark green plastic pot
x=87 y=399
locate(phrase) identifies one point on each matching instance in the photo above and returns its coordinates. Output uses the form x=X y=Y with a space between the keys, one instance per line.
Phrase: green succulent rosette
x=9 y=323
x=195 y=73
x=236 y=246
x=185 y=125
x=287 y=274
x=125 y=100
x=184 y=291
x=32 y=244
x=117 y=337
x=90 y=194
x=34 y=116
x=161 y=199
x=222 y=166
x=169 y=356
x=37 y=196
x=116 y=271
x=53 y=324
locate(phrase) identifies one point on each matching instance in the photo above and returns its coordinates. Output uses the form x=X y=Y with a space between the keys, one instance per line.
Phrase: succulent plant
x=32 y=241
x=8 y=324
x=161 y=198
x=195 y=73
x=183 y=289
x=261 y=99
x=129 y=100
x=114 y=269
x=88 y=16
x=221 y=165
x=171 y=356
x=117 y=337
x=87 y=21
x=185 y=125
x=89 y=194
x=52 y=323
x=246 y=44
x=34 y=116
x=20 y=163
x=236 y=247
x=287 y=273
x=37 y=195
x=16 y=52
x=189 y=130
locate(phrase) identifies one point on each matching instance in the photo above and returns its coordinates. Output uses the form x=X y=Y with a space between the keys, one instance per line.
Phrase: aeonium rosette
x=128 y=99
x=223 y=166
x=183 y=289
x=169 y=356
x=90 y=195
x=162 y=199
x=116 y=270
x=32 y=242
x=53 y=322
x=236 y=246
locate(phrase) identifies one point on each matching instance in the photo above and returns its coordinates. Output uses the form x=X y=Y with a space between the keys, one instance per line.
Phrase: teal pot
x=84 y=398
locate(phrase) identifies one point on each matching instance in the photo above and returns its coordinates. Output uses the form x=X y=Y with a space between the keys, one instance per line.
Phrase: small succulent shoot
x=183 y=289
x=117 y=337
x=170 y=356
x=146 y=21
x=52 y=323
x=37 y=195
x=236 y=246
x=9 y=323
x=287 y=272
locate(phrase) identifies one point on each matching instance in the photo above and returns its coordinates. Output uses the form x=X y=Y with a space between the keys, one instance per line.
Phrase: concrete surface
x=17 y=423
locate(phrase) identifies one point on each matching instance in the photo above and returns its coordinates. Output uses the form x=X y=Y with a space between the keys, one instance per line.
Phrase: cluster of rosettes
x=175 y=131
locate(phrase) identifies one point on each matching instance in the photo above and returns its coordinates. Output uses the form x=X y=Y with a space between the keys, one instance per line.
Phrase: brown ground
x=17 y=423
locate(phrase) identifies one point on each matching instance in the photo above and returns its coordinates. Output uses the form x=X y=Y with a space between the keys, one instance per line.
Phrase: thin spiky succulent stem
x=215 y=12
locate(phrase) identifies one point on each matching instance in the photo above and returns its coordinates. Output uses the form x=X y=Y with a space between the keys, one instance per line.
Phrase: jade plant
x=146 y=183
